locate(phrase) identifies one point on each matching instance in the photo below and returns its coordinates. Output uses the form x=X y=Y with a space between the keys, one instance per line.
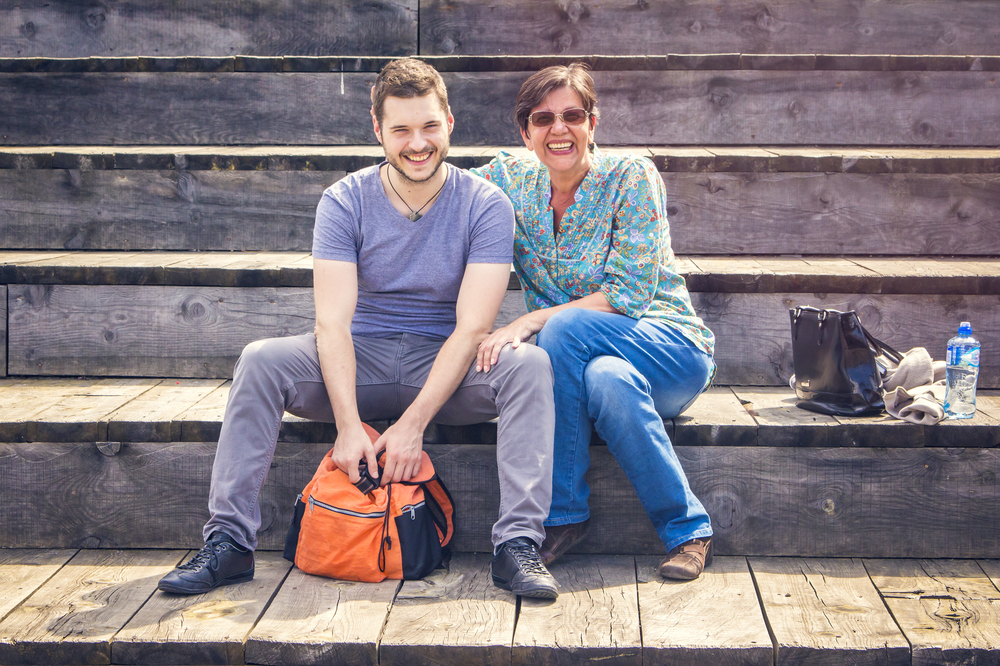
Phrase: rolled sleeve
x=631 y=272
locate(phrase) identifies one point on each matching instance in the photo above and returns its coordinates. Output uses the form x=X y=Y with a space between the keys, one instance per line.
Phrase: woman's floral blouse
x=615 y=239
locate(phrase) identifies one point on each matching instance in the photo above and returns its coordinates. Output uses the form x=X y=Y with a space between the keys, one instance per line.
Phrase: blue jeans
x=623 y=377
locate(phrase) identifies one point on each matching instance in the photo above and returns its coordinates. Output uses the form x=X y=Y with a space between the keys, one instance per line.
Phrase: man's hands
x=403 y=443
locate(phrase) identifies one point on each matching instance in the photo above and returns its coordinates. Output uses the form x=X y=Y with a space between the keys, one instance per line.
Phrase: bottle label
x=967 y=357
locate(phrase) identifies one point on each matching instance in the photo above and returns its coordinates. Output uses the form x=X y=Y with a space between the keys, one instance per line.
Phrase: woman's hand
x=515 y=333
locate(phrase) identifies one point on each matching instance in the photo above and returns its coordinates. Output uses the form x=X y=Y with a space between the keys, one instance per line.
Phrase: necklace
x=414 y=214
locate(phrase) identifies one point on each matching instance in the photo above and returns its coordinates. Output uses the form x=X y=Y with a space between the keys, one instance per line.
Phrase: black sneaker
x=221 y=561
x=517 y=567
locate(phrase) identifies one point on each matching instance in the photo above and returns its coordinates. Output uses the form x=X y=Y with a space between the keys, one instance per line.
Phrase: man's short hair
x=533 y=92
x=407 y=78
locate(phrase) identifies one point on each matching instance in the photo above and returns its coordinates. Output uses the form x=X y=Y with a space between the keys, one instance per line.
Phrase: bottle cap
x=965 y=328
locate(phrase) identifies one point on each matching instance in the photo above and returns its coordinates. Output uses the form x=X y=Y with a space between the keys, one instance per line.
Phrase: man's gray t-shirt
x=409 y=273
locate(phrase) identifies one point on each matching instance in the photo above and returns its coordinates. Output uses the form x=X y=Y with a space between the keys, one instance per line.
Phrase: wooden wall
x=67 y=29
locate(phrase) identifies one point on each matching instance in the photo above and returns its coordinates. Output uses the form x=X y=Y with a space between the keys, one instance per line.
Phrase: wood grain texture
x=832 y=213
x=24 y=571
x=208 y=628
x=948 y=609
x=826 y=611
x=715 y=419
x=713 y=619
x=152 y=331
x=753 y=339
x=595 y=617
x=741 y=107
x=621 y=27
x=162 y=210
x=73 y=617
x=153 y=416
x=104 y=498
x=453 y=616
x=3 y=330
x=316 y=620
x=187 y=28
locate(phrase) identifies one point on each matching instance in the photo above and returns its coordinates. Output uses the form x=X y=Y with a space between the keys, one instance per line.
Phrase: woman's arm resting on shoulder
x=527 y=325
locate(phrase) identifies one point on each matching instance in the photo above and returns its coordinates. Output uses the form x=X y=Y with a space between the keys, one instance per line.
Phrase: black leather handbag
x=834 y=359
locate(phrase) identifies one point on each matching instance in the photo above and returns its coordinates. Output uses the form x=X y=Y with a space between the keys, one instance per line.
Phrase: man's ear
x=451 y=121
x=375 y=126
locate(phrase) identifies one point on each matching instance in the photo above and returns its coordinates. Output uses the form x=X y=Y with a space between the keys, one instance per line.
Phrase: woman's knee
x=563 y=326
x=613 y=383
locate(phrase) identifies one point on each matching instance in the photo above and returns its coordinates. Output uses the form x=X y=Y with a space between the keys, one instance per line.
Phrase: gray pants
x=283 y=374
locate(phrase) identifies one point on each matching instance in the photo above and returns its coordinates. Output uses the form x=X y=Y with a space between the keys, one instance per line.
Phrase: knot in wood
x=109 y=448
x=829 y=506
x=924 y=130
x=795 y=108
x=764 y=20
x=574 y=10
x=563 y=41
x=695 y=27
x=28 y=30
x=94 y=17
x=866 y=30
x=642 y=5
x=447 y=45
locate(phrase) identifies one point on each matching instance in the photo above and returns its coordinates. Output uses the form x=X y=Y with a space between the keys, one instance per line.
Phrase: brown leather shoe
x=560 y=538
x=688 y=560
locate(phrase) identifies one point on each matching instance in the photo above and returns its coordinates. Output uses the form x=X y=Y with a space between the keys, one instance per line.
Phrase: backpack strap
x=442 y=508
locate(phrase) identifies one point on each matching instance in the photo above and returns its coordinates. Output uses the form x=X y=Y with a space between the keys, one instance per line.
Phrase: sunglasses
x=547 y=118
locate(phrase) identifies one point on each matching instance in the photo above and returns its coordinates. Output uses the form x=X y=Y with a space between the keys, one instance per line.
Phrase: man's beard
x=398 y=163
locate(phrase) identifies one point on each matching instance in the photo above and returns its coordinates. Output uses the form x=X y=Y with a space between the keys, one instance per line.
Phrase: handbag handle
x=880 y=348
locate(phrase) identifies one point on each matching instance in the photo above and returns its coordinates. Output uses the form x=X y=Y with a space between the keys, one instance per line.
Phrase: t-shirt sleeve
x=491 y=238
x=632 y=269
x=337 y=233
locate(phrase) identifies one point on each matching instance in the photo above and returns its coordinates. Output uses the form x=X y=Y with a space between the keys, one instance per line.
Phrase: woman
x=592 y=251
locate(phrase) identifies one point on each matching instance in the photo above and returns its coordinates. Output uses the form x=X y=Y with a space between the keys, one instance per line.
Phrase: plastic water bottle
x=962 y=371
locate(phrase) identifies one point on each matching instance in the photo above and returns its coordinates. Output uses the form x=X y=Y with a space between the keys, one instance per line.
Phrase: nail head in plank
x=949 y=610
x=202 y=628
x=714 y=619
x=595 y=617
x=826 y=611
x=715 y=419
x=316 y=620
x=454 y=616
x=73 y=617
x=24 y=571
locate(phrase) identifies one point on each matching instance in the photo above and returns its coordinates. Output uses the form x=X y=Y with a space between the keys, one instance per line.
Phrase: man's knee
x=528 y=362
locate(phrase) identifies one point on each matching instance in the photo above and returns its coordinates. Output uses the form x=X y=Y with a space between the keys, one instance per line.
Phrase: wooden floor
x=100 y=607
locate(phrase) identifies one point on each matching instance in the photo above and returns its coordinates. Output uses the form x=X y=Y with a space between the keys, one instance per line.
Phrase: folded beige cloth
x=914 y=390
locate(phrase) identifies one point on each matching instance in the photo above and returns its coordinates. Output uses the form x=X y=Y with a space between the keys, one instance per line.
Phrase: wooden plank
x=160 y=331
x=197 y=29
x=3 y=330
x=162 y=210
x=82 y=413
x=831 y=213
x=717 y=418
x=315 y=620
x=826 y=611
x=948 y=609
x=747 y=107
x=753 y=339
x=524 y=27
x=691 y=622
x=454 y=616
x=153 y=416
x=24 y=571
x=781 y=423
x=595 y=617
x=73 y=617
x=209 y=628
x=202 y=422
x=988 y=402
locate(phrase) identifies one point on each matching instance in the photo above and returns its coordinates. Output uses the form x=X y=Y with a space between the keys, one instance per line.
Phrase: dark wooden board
x=161 y=210
x=595 y=619
x=946 y=608
x=190 y=28
x=316 y=620
x=714 y=619
x=829 y=502
x=456 y=615
x=3 y=330
x=203 y=628
x=74 y=616
x=832 y=213
x=782 y=26
x=741 y=107
x=826 y=612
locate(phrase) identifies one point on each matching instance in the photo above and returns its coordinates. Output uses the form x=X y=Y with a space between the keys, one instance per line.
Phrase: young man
x=411 y=262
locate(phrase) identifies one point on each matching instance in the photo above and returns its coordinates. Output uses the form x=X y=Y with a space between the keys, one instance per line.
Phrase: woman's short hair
x=407 y=78
x=533 y=92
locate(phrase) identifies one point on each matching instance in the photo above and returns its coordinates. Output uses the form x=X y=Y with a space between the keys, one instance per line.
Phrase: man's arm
x=479 y=298
x=336 y=294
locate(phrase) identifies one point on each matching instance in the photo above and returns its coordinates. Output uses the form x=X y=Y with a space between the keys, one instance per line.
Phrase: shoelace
x=526 y=557
x=208 y=553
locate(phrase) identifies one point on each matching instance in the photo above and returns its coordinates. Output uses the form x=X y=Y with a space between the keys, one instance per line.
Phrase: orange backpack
x=397 y=531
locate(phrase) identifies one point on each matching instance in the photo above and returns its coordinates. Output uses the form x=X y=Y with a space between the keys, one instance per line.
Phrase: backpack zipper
x=313 y=502
x=412 y=508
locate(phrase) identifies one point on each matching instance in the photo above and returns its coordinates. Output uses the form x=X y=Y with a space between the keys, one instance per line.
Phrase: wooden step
x=850 y=487
x=872 y=612
x=775 y=100
x=728 y=201
x=191 y=314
